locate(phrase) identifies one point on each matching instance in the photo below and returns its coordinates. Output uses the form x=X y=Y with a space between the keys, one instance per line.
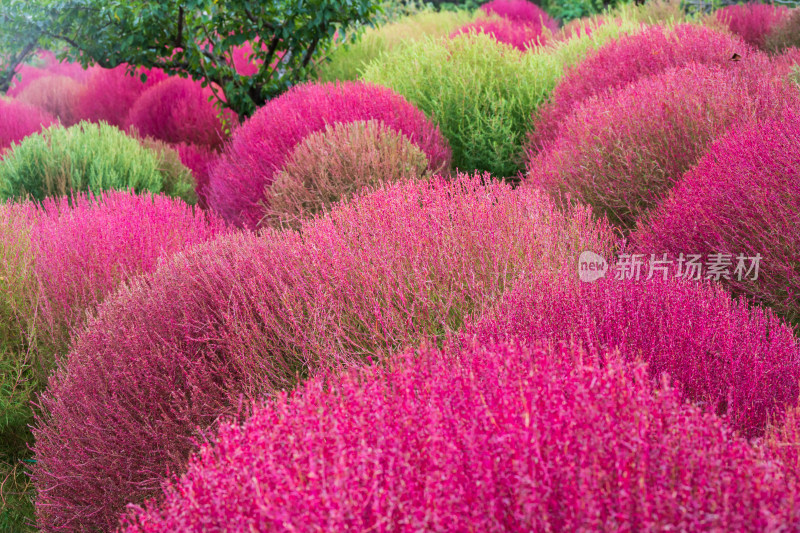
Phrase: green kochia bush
x=480 y=92
x=87 y=157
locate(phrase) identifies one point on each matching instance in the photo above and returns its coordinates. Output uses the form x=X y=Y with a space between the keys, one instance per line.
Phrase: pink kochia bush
x=180 y=110
x=18 y=120
x=520 y=12
x=258 y=149
x=49 y=66
x=85 y=246
x=752 y=21
x=632 y=57
x=200 y=160
x=734 y=361
x=245 y=315
x=742 y=198
x=499 y=437
x=110 y=93
x=520 y=36
x=623 y=151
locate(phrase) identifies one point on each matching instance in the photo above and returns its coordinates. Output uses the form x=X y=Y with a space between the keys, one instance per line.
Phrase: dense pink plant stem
x=520 y=12
x=752 y=21
x=520 y=36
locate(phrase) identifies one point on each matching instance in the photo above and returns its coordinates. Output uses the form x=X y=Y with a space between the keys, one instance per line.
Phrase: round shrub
x=348 y=60
x=333 y=165
x=109 y=94
x=628 y=59
x=246 y=315
x=734 y=361
x=17 y=121
x=622 y=151
x=785 y=34
x=743 y=197
x=481 y=94
x=259 y=149
x=521 y=12
x=520 y=36
x=499 y=437
x=86 y=157
x=58 y=95
x=46 y=64
x=180 y=110
x=752 y=21
x=199 y=160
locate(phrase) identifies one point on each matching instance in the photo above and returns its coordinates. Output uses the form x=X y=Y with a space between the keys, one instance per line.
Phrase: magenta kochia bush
x=732 y=360
x=18 y=120
x=110 y=93
x=500 y=437
x=742 y=198
x=630 y=58
x=180 y=110
x=198 y=159
x=621 y=152
x=520 y=36
x=752 y=21
x=85 y=246
x=246 y=315
x=259 y=148
x=520 y=12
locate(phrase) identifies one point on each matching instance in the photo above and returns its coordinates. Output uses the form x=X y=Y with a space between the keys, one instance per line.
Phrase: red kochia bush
x=198 y=159
x=742 y=198
x=18 y=120
x=520 y=12
x=110 y=93
x=85 y=246
x=258 y=149
x=50 y=66
x=58 y=95
x=734 y=361
x=245 y=315
x=752 y=21
x=180 y=110
x=630 y=58
x=501 y=437
x=520 y=36
x=623 y=151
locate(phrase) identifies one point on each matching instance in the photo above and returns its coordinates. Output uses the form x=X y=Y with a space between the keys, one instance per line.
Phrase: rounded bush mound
x=333 y=165
x=246 y=315
x=259 y=149
x=521 y=12
x=743 y=197
x=86 y=157
x=734 y=361
x=46 y=64
x=199 y=160
x=180 y=110
x=628 y=59
x=481 y=94
x=58 y=95
x=18 y=120
x=496 y=438
x=520 y=36
x=621 y=152
x=752 y=21
x=785 y=34
x=110 y=93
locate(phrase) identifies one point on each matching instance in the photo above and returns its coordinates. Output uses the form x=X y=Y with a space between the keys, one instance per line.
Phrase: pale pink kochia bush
x=198 y=159
x=742 y=198
x=18 y=120
x=27 y=74
x=84 y=247
x=58 y=95
x=180 y=110
x=520 y=36
x=247 y=315
x=734 y=361
x=521 y=12
x=621 y=152
x=752 y=21
x=110 y=93
x=628 y=59
x=258 y=149
x=500 y=437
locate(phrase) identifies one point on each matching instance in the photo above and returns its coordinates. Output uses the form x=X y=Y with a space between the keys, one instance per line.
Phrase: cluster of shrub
x=358 y=309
